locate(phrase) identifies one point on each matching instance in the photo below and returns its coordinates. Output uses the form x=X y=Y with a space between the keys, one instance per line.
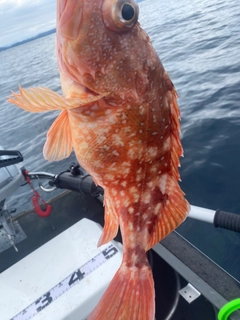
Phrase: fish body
x=120 y=115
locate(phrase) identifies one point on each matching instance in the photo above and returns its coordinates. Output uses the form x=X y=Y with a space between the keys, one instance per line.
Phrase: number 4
x=75 y=277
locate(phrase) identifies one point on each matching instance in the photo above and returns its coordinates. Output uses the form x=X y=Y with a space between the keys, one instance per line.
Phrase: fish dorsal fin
x=43 y=99
x=59 y=139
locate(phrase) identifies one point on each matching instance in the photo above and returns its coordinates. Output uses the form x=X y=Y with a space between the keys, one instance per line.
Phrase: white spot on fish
x=157 y=208
x=124 y=184
x=138 y=177
x=134 y=192
x=145 y=216
x=100 y=139
x=109 y=177
x=126 y=202
x=152 y=151
x=163 y=182
x=132 y=154
x=131 y=210
x=115 y=153
x=146 y=198
x=141 y=110
x=167 y=144
x=130 y=226
x=106 y=147
x=117 y=140
x=114 y=192
x=154 y=169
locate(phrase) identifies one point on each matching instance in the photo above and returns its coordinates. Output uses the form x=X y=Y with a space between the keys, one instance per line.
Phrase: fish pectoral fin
x=44 y=99
x=59 y=139
x=129 y=296
x=111 y=223
x=170 y=214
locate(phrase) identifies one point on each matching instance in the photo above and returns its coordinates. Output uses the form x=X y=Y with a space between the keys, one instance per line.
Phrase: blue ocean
x=199 y=45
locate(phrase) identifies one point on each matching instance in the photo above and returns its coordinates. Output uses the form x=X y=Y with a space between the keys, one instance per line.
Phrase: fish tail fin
x=130 y=295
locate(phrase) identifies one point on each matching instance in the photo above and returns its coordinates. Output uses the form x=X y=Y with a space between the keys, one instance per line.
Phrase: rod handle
x=227 y=220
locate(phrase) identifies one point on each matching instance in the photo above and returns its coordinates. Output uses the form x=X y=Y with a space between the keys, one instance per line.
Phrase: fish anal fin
x=170 y=213
x=130 y=295
x=59 y=139
x=44 y=99
x=111 y=223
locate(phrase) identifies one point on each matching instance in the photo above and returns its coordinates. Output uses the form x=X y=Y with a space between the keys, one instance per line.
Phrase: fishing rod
x=76 y=180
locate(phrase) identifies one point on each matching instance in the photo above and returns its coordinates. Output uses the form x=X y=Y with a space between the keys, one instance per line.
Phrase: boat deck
x=215 y=285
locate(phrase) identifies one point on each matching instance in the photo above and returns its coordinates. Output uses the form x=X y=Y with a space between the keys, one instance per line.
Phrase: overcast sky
x=22 y=19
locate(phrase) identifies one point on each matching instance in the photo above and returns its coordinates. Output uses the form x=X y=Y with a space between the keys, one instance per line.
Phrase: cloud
x=22 y=19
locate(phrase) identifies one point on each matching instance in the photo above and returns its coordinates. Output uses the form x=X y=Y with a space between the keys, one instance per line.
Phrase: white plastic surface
x=26 y=281
x=202 y=214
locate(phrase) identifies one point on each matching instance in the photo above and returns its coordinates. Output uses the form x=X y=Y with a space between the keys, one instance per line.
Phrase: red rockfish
x=120 y=115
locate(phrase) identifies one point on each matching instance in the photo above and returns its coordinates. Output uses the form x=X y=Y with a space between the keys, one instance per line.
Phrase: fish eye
x=120 y=15
x=128 y=11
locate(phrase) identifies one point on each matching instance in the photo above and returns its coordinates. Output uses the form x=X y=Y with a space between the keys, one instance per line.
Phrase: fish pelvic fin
x=111 y=222
x=59 y=139
x=44 y=99
x=170 y=213
x=130 y=295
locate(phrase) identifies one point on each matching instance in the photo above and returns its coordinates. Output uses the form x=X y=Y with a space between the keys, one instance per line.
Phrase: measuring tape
x=66 y=284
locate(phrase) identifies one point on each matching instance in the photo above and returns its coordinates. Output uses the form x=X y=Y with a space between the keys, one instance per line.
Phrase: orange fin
x=59 y=139
x=130 y=296
x=43 y=99
x=111 y=222
x=170 y=214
